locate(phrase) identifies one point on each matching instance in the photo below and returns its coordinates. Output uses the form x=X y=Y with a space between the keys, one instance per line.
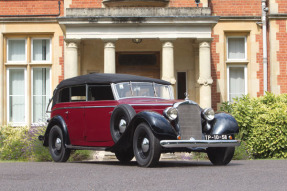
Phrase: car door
x=74 y=115
x=98 y=112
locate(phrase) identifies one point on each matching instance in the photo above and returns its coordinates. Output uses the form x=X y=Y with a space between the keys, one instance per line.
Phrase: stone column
x=205 y=79
x=71 y=68
x=110 y=57
x=167 y=62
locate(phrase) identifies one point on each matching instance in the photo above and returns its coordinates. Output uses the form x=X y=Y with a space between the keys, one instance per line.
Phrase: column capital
x=167 y=44
x=72 y=43
x=110 y=45
x=204 y=44
x=205 y=81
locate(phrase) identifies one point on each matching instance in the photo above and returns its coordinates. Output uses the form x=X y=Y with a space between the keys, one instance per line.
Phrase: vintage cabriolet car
x=134 y=116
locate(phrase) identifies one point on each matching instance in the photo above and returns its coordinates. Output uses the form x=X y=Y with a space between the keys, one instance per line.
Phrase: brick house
x=215 y=50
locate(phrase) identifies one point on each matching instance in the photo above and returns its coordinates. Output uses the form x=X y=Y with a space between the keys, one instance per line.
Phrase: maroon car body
x=134 y=116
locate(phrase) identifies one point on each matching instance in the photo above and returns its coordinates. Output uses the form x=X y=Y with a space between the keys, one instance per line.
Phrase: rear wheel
x=220 y=155
x=146 y=146
x=125 y=156
x=56 y=145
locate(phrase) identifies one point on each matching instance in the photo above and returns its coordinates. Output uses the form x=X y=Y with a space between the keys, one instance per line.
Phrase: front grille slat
x=189 y=117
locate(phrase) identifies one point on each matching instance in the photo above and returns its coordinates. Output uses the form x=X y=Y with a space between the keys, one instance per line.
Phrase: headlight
x=171 y=113
x=208 y=114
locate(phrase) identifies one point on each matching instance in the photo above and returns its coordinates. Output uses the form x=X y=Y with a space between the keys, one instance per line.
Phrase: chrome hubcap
x=145 y=145
x=122 y=125
x=58 y=144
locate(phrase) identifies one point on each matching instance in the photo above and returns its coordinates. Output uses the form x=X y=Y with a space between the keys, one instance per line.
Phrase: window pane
x=64 y=95
x=16 y=95
x=41 y=50
x=236 y=82
x=16 y=50
x=236 y=48
x=41 y=92
x=78 y=93
x=100 y=93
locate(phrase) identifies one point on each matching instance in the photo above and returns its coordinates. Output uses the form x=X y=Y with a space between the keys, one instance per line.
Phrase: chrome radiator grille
x=189 y=117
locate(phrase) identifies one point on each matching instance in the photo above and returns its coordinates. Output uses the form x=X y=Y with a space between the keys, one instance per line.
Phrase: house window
x=41 y=90
x=237 y=81
x=41 y=50
x=236 y=48
x=16 y=50
x=34 y=56
x=16 y=95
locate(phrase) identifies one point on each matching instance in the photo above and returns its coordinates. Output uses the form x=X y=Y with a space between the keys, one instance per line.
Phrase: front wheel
x=56 y=145
x=220 y=155
x=146 y=146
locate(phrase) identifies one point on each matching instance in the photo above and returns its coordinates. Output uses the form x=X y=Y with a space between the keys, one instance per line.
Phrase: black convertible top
x=100 y=78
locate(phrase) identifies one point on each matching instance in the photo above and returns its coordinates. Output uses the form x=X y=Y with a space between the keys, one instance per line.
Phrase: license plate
x=216 y=137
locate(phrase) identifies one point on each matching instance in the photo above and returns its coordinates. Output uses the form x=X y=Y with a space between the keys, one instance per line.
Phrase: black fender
x=224 y=123
x=57 y=120
x=159 y=125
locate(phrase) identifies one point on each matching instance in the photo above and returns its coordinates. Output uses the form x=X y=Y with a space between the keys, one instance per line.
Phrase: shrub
x=13 y=143
x=263 y=124
x=21 y=143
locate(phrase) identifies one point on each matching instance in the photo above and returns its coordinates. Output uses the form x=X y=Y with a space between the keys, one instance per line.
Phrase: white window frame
x=32 y=44
x=8 y=97
x=7 y=48
x=245 y=79
x=32 y=95
x=245 y=47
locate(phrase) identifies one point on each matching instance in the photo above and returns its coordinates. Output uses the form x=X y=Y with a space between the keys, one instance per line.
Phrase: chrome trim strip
x=114 y=90
x=151 y=104
x=84 y=107
x=198 y=143
x=85 y=148
x=184 y=102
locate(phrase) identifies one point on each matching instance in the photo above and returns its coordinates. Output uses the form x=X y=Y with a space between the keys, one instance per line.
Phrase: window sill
x=41 y=63
x=237 y=61
x=16 y=63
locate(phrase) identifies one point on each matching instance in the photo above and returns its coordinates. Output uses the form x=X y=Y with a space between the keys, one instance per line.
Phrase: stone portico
x=181 y=36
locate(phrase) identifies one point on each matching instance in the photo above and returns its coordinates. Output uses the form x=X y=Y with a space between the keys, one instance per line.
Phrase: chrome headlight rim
x=208 y=114
x=171 y=113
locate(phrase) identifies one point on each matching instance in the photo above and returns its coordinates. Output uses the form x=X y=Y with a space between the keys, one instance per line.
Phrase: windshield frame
x=117 y=97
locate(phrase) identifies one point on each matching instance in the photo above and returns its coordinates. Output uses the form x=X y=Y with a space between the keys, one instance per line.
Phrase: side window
x=64 y=95
x=100 y=93
x=78 y=93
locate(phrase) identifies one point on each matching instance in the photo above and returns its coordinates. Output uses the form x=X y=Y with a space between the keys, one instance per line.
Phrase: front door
x=139 y=63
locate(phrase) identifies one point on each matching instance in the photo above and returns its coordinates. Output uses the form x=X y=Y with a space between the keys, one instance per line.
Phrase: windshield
x=143 y=89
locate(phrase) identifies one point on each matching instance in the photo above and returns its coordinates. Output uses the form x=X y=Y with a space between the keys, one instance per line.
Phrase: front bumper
x=198 y=143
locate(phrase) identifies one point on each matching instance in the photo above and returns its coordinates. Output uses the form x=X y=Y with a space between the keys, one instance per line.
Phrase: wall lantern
x=137 y=40
x=197 y=2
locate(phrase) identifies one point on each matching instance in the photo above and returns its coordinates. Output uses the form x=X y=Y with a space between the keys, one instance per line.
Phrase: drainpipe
x=264 y=29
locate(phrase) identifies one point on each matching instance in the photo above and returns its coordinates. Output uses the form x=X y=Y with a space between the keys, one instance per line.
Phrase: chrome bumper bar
x=198 y=143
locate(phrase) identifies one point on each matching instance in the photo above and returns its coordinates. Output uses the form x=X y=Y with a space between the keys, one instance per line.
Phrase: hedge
x=22 y=144
x=263 y=124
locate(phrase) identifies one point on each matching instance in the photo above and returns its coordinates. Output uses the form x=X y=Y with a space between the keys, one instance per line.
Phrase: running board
x=198 y=143
x=85 y=148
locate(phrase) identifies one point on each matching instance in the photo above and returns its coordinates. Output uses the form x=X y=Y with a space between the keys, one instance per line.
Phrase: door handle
x=67 y=112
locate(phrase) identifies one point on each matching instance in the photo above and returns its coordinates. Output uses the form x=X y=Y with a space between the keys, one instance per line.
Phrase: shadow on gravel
x=161 y=164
